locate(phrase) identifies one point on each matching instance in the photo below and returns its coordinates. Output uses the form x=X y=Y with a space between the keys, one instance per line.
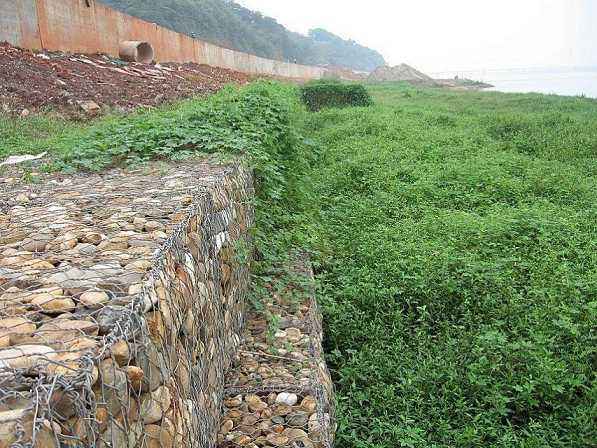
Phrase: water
x=557 y=81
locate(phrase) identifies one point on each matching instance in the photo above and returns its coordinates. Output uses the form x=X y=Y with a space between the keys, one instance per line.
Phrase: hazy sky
x=438 y=35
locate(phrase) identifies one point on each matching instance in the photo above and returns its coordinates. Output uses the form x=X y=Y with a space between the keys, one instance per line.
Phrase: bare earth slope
x=35 y=81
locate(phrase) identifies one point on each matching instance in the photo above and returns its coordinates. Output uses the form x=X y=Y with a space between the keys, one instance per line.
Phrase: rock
x=22 y=198
x=26 y=356
x=293 y=334
x=135 y=289
x=82 y=345
x=66 y=364
x=153 y=364
x=92 y=237
x=255 y=403
x=51 y=304
x=60 y=331
x=111 y=316
x=92 y=299
x=66 y=241
x=298 y=437
x=16 y=260
x=286 y=398
x=159 y=436
x=297 y=419
x=73 y=278
x=36 y=265
x=55 y=290
x=152 y=226
x=157 y=329
x=226 y=427
x=155 y=404
x=309 y=404
x=45 y=436
x=16 y=329
x=118 y=436
x=115 y=243
x=121 y=353
x=112 y=389
x=37 y=243
x=233 y=402
x=135 y=377
x=277 y=439
x=89 y=107
x=85 y=249
x=242 y=440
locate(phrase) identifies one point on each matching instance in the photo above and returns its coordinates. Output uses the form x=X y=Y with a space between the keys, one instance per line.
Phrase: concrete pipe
x=136 y=51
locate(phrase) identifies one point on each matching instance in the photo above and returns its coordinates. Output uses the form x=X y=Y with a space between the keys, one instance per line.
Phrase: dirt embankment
x=76 y=84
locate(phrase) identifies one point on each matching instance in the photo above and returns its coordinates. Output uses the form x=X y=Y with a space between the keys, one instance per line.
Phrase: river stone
x=155 y=404
x=121 y=353
x=298 y=437
x=255 y=403
x=309 y=404
x=135 y=376
x=60 y=331
x=226 y=427
x=297 y=419
x=51 y=304
x=93 y=299
x=117 y=436
x=17 y=329
x=37 y=243
x=153 y=364
x=277 y=439
x=26 y=356
x=159 y=436
x=112 y=387
x=287 y=398
x=111 y=316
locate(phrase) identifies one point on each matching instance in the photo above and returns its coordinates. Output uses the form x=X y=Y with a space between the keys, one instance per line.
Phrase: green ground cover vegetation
x=457 y=237
x=453 y=234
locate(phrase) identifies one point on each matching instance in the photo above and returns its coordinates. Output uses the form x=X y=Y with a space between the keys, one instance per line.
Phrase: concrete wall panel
x=18 y=23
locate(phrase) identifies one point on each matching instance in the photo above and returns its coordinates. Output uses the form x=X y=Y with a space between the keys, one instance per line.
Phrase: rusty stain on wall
x=86 y=26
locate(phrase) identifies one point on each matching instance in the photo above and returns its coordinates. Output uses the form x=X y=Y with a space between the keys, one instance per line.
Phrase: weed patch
x=456 y=261
x=327 y=94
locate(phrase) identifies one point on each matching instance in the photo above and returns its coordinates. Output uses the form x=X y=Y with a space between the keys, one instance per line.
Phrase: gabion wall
x=121 y=306
x=279 y=392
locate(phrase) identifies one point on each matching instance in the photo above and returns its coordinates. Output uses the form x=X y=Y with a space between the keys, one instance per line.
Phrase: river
x=562 y=81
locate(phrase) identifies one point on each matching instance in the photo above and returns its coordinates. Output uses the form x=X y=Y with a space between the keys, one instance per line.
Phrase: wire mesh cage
x=121 y=306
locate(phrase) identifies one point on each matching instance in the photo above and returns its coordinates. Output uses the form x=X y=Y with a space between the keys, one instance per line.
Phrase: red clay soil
x=34 y=81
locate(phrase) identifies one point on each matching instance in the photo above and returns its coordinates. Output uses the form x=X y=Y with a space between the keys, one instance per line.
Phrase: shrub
x=321 y=94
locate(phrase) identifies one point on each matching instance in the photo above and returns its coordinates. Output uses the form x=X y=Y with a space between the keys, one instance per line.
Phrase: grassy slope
x=459 y=268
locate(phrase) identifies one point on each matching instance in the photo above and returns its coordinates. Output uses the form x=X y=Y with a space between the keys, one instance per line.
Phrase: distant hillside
x=226 y=23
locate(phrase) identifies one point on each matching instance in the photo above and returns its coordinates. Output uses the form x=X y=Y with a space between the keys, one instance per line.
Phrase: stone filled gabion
x=279 y=392
x=121 y=306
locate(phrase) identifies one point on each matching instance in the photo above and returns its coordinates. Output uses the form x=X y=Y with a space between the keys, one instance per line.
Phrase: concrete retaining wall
x=86 y=26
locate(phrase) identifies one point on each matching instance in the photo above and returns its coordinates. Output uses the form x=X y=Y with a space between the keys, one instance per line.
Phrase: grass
x=453 y=234
x=457 y=244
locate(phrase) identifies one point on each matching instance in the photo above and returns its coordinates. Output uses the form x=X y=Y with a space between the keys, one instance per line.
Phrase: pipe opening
x=136 y=51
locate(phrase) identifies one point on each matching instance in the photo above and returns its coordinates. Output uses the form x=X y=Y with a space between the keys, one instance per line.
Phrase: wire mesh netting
x=121 y=306
x=279 y=391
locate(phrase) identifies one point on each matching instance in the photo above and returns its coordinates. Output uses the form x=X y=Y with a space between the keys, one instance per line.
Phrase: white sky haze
x=438 y=35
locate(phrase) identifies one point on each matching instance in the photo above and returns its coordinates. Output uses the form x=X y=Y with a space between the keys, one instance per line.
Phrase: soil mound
x=69 y=83
x=402 y=72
